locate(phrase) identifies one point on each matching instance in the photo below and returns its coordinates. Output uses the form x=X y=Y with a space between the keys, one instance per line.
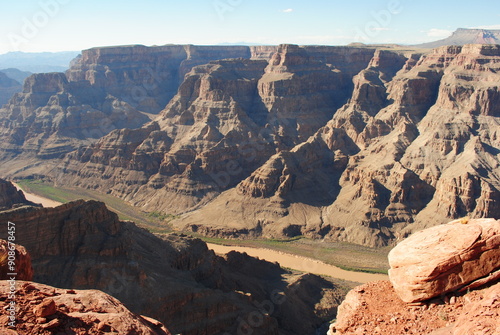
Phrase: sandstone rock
x=46 y=308
x=21 y=264
x=483 y=314
x=375 y=308
x=52 y=324
x=86 y=312
x=444 y=258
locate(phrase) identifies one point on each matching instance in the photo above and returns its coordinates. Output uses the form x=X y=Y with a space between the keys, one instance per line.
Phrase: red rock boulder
x=19 y=263
x=445 y=258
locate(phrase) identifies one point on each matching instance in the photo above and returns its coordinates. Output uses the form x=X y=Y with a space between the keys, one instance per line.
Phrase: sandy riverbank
x=301 y=263
x=37 y=199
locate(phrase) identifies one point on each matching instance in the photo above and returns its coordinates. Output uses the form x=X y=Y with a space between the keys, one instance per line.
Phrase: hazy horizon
x=68 y=25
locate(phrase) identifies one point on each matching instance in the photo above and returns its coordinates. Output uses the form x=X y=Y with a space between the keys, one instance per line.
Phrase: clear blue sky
x=63 y=25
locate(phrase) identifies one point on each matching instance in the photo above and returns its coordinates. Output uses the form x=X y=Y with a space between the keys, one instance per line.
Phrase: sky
x=74 y=25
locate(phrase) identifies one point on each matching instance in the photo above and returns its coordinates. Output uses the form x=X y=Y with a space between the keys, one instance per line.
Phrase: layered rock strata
x=227 y=118
x=354 y=144
x=415 y=146
x=104 y=89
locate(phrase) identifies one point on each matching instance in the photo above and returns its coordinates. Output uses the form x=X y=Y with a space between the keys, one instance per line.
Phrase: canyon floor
x=336 y=259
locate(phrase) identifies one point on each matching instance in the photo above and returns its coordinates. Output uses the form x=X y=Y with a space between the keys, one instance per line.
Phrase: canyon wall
x=357 y=144
x=104 y=89
x=226 y=120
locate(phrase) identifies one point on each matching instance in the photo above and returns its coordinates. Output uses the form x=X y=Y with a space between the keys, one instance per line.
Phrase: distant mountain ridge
x=16 y=74
x=38 y=62
x=11 y=82
x=464 y=36
x=8 y=86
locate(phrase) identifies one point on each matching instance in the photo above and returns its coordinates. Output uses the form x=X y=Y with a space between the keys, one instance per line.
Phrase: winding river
x=284 y=259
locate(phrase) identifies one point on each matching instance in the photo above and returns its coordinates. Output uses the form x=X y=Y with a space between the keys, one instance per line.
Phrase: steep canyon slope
x=357 y=144
x=172 y=278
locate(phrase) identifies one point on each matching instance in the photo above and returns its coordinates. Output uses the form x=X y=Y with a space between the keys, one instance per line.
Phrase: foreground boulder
x=43 y=309
x=375 y=308
x=443 y=281
x=445 y=258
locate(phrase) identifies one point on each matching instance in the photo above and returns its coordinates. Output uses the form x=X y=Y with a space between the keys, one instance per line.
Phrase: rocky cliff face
x=415 y=146
x=174 y=279
x=147 y=77
x=53 y=116
x=226 y=120
x=105 y=89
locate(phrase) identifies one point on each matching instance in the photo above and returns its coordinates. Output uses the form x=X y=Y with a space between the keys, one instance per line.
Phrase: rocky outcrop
x=175 y=279
x=443 y=280
x=147 y=77
x=11 y=197
x=375 y=308
x=184 y=154
x=14 y=259
x=53 y=116
x=42 y=309
x=445 y=258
